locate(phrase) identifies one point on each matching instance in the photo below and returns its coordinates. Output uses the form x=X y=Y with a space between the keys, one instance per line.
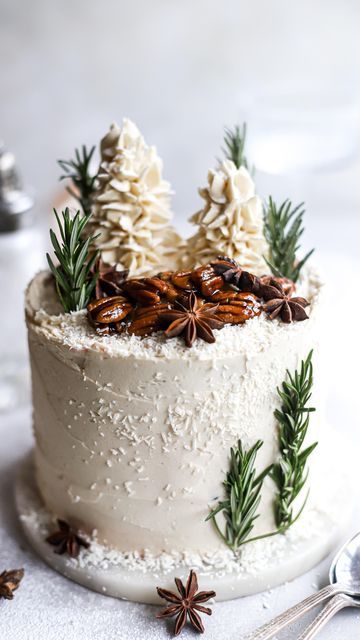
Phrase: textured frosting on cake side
x=133 y=436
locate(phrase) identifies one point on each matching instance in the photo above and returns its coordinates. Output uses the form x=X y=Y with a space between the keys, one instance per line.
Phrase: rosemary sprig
x=73 y=275
x=290 y=472
x=242 y=497
x=283 y=227
x=78 y=171
x=234 y=145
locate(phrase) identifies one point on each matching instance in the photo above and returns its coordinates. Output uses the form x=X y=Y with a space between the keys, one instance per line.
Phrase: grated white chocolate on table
x=132 y=436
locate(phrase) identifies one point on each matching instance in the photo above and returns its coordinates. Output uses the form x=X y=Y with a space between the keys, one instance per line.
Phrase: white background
x=182 y=70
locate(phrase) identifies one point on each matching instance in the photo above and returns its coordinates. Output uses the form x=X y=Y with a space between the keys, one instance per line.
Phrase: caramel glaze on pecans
x=229 y=293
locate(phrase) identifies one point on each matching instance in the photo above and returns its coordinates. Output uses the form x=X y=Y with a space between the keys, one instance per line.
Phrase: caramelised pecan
x=182 y=280
x=206 y=280
x=238 y=308
x=145 y=320
x=141 y=291
x=109 y=310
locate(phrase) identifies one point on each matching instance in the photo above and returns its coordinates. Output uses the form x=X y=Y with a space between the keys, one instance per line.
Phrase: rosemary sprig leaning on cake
x=78 y=171
x=242 y=485
x=242 y=497
x=74 y=276
x=290 y=472
x=283 y=227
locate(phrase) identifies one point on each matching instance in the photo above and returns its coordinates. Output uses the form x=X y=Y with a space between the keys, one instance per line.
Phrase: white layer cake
x=133 y=435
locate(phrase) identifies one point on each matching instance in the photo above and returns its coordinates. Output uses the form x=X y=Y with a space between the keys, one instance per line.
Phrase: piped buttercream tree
x=132 y=213
x=231 y=220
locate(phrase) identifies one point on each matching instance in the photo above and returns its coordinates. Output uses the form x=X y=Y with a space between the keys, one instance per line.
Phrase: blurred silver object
x=21 y=255
x=15 y=204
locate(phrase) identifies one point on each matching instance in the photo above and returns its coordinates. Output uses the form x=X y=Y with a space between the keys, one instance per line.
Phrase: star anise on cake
x=288 y=285
x=282 y=305
x=192 y=320
x=109 y=279
x=187 y=604
x=67 y=540
x=232 y=273
x=9 y=582
x=228 y=268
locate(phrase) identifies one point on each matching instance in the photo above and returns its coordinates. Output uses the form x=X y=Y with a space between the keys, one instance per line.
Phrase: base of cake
x=260 y=566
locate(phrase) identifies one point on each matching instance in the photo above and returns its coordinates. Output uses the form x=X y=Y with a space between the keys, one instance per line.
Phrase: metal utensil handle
x=336 y=603
x=280 y=622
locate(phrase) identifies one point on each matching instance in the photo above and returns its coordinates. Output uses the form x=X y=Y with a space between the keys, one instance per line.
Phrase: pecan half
x=206 y=280
x=141 y=291
x=182 y=280
x=109 y=310
x=146 y=320
x=238 y=308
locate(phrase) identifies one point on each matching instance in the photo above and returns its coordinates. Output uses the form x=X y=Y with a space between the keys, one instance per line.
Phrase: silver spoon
x=344 y=578
x=345 y=571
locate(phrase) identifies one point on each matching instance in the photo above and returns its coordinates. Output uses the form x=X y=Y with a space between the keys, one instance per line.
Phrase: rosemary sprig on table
x=283 y=227
x=234 y=146
x=242 y=497
x=290 y=472
x=74 y=278
x=78 y=171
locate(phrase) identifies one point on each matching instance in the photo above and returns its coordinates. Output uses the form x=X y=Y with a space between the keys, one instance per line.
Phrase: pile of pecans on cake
x=190 y=303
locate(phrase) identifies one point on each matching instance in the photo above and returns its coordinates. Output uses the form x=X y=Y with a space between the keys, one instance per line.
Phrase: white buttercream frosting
x=133 y=436
x=230 y=222
x=132 y=207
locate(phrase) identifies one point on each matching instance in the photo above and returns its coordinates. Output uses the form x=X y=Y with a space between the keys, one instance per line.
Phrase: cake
x=163 y=436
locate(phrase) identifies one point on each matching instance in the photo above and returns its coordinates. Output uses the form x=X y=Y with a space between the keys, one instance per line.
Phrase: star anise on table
x=280 y=304
x=187 y=604
x=109 y=281
x=67 y=540
x=9 y=582
x=192 y=320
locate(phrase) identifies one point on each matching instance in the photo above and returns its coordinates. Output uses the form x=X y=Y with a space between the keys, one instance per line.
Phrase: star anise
x=280 y=304
x=228 y=268
x=187 y=604
x=233 y=274
x=9 y=582
x=109 y=280
x=288 y=285
x=192 y=321
x=67 y=540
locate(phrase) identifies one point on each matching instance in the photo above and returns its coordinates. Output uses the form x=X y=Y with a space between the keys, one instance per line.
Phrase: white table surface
x=49 y=607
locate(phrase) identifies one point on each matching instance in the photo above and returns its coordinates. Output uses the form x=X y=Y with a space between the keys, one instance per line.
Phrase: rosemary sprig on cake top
x=234 y=146
x=74 y=277
x=78 y=171
x=283 y=228
x=242 y=497
x=290 y=472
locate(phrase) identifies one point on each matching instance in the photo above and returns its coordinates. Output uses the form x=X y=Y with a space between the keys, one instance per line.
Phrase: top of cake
x=121 y=259
x=74 y=330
